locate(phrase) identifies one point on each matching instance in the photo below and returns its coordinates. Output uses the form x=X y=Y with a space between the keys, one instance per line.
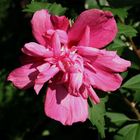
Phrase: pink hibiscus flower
x=71 y=61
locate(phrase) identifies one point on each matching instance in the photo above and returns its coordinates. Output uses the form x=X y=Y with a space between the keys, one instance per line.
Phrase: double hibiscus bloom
x=71 y=60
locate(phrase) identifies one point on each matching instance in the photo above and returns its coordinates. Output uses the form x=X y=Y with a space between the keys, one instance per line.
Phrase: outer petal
x=36 y=50
x=110 y=61
x=40 y=24
x=104 y=80
x=102 y=26
x=107 y=60
x=64 y=107
x=23 y=77
x=61 y=22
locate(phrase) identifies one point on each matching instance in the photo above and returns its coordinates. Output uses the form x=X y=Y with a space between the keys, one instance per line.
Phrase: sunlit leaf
x=91 y=4
x=127 y=30
x=133 y=83
x=51 y=7
x=117 y=118
x=129 y=132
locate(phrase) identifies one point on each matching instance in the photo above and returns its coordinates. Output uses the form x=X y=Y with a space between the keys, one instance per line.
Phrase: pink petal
x=62 y=35
x=93 y=95
x=107 y=60
x=64 y=78
x=85 y=40
x=40 y=24
x=79 y=63
x=75 y=82
x=56 y=45
x=23 y=77
x=102 y=26
x=87 y=51
x=61 y=22
x=110 y=61
x=63 y=107
x=43 y=67
x=104 y=80
x=83 y=91
x=44 y=76
x=36 y=50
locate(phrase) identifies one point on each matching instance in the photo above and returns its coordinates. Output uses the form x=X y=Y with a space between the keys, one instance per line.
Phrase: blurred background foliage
x=22 y=117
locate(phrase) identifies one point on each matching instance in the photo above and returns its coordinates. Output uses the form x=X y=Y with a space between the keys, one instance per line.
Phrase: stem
x=133 y=108
x=134 y=47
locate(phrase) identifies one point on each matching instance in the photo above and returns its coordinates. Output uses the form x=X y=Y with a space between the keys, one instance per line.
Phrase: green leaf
x=117 y=118
x=133 y=83
x=95 y=4
x=117 y=45
x=103 y=2
x=129 y=132
x=97 y=113
x=91 y=4
x=127 y=30
x=54 y=8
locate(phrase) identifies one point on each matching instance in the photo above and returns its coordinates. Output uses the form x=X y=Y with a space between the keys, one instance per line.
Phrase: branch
x=134 y=47
x=133 y=108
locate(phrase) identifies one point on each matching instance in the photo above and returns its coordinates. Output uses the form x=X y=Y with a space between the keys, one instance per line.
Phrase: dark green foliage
x=96 y=115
